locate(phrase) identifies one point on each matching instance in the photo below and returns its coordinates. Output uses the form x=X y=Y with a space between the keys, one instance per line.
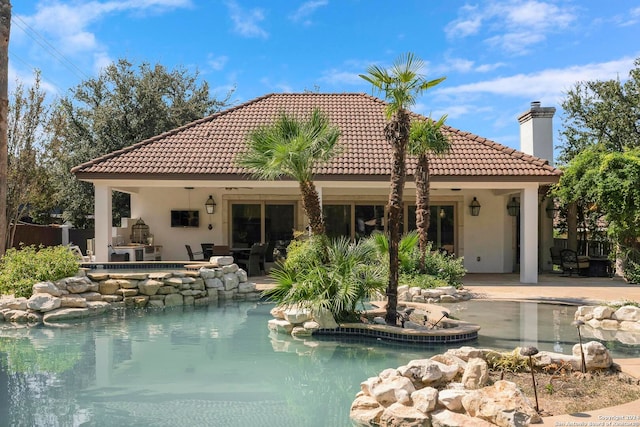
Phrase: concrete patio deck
x=570 y=290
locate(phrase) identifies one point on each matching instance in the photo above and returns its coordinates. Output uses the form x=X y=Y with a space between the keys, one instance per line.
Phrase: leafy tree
x=602 y=118
x=606 y=113
x=291 y=147
x=425 y=137
x=122 y=106
x=400 y=84
x=608 y=182
x=27 y=184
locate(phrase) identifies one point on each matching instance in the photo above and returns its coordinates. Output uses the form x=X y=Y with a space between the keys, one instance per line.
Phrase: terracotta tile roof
x=206 y=148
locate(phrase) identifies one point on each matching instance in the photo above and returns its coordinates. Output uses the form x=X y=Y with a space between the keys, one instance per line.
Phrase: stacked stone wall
x=94 y=292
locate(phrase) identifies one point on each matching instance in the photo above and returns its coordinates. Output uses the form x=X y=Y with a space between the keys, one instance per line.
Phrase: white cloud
x=461 y=65
x=340 y=77
x=217 y=62
x=64 y=29
x=246 y=22
x=513 y=25
x=276 y=87
x=631 y=18
x=549 y=85
x=465 y=26
x=303 y=13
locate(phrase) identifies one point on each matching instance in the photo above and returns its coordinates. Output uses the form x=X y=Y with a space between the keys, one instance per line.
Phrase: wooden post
x=5 y=26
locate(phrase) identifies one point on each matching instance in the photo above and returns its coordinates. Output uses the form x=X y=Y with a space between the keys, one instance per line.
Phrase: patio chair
x=555 y=256
x=192 y=255
x=570 y=262
x=207 y=249
x=252 y=261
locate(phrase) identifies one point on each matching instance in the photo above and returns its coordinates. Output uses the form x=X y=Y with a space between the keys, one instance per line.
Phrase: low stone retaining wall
x=443 y=294
x=92 y=293
x=451 y=389
x=610 y=324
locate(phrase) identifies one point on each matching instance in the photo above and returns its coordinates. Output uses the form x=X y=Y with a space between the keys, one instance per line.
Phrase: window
x=261 y=222
x=441 y=225
x=352 y=220
x=337 y=220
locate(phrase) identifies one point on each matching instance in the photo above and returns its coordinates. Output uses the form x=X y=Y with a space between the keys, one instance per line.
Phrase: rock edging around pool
x=451 y=389
x=608 y=324
x=300 y=322
x=94 y=292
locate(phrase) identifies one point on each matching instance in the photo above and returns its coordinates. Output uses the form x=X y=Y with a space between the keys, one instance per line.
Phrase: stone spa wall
x=93 y=292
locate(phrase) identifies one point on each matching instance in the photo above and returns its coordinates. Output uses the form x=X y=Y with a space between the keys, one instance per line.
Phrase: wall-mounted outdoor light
x=210 y=206
x=475 y=207
x=513 y=207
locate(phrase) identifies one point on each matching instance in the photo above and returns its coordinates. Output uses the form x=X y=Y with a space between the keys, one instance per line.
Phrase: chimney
x=536 y=131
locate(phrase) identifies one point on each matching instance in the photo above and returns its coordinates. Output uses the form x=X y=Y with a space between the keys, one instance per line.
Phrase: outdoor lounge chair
x=192 y=255
x=570 y=262
x=252 y=261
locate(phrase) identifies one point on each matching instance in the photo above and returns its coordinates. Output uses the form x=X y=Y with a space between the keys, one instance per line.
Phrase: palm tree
x=425 y=136
x=401 y=84
x=291 y=147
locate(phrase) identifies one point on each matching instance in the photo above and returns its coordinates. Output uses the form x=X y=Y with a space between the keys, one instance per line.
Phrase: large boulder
x=596 y=355
x=499 y=403
x=425 y=399
x=366 y=411
x=627 y=312
x=398 y=414
x=43 y=302
x=427 y=372
x=46 y=288
x=392 y=389
x=476 y=374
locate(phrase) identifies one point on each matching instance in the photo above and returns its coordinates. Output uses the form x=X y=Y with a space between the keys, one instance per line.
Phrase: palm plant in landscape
x=348 y=275
x=291 y=147
x=425 y=137
x=401 y=84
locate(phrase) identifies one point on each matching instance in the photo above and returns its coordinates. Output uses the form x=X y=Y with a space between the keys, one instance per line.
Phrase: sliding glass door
x=441 y=226
x=261 y=222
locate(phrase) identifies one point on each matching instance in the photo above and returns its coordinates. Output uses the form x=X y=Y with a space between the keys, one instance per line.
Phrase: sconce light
x=210 y=206
x=551 y=209
x=475 y=207
x=513 y=207
x=442 y=213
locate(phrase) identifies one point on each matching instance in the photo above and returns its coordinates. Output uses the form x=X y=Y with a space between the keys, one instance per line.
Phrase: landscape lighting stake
x=444 y=314
x=583 y=366
x=530 y=351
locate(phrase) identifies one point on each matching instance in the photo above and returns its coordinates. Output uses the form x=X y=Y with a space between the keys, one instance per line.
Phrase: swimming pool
x=220 y=366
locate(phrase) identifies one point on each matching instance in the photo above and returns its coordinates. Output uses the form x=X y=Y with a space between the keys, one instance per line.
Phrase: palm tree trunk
x=311 y=206
x=397 y=133
x=422 y=206
x=5 y=27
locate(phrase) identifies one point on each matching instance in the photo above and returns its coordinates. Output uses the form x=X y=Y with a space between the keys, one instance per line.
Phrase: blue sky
x=498 y=56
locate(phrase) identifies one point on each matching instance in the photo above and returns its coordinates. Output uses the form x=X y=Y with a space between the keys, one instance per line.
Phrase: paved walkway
x=573 y=290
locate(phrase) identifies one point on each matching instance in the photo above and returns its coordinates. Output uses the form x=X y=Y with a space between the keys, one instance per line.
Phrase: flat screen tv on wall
x=185 y=218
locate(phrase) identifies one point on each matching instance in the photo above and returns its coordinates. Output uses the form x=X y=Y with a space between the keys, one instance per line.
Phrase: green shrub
x=424 y=281
x=21 y=268
x=440 y=269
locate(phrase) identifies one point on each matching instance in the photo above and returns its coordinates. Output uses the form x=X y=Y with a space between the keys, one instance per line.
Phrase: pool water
x=220 y=366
